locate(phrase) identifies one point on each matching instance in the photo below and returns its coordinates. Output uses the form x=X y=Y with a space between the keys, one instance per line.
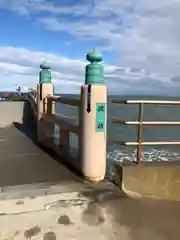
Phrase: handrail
x=165 y=102
x=146 y=143
x=139 y=123
x=68 y=101
x=62 y=122
x=145 y=122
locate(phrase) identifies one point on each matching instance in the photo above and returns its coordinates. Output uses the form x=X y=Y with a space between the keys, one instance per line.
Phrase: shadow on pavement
x=28 y=125
x=29 y=129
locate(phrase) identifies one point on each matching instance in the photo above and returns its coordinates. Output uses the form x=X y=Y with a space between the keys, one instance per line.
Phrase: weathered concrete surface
x=87 y=215
x=160 y=180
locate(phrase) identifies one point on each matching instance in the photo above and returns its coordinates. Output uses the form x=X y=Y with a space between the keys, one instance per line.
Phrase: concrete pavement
x=88 y=215
x=40 y=198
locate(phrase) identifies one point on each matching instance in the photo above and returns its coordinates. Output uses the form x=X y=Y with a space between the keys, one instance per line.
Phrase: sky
x=139 y=41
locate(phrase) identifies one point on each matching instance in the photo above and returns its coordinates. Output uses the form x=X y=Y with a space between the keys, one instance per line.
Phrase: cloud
x=20 y=66
x=144 y=35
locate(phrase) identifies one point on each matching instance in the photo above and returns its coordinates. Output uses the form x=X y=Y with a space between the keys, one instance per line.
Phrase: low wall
x=14 y=111
x=33 y=105
x=161 y=180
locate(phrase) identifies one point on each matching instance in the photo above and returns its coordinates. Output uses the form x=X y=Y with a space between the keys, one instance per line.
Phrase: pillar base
x=94 y=179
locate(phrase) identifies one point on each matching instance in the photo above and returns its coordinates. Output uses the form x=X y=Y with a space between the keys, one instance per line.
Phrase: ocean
x=116 y=152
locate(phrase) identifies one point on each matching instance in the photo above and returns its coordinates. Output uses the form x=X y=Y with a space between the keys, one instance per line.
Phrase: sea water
x=115 y=132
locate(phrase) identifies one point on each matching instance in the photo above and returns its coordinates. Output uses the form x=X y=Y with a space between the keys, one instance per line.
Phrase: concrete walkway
x=40 y=198
x=23 y=162
x=89 y=214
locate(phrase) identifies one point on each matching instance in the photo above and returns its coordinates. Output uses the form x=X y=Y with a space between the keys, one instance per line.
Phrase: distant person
x=19 y=92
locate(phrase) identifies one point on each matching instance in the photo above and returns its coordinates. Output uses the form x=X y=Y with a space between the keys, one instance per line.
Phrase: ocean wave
x=147 y=156
x=150 y=155
x=153 y=155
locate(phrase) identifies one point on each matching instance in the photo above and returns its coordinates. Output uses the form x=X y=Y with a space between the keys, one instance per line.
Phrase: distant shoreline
x=115 y=96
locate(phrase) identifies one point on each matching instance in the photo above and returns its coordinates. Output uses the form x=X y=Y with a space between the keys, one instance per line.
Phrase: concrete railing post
x=44 y=88
x=93 y=120
x=64 y=138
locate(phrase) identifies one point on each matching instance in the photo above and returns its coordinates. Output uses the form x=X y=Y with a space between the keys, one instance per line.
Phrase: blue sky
x=139 y=40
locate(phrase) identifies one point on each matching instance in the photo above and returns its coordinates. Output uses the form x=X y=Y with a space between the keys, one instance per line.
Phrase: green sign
x=100 y=117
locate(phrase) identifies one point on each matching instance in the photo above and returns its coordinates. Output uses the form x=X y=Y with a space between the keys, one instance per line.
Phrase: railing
x=139 y=123
x=91 y=130
x=32 y=92
x=66 y=125
x=32 y=98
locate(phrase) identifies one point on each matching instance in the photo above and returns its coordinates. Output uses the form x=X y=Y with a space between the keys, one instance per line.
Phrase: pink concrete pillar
x=43 y=90
x=92 y=147
x=93 y=120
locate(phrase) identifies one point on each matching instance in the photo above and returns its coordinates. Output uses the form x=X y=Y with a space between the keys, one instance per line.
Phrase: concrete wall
x=161 y=180
x=14 y=111
x=32 y=102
